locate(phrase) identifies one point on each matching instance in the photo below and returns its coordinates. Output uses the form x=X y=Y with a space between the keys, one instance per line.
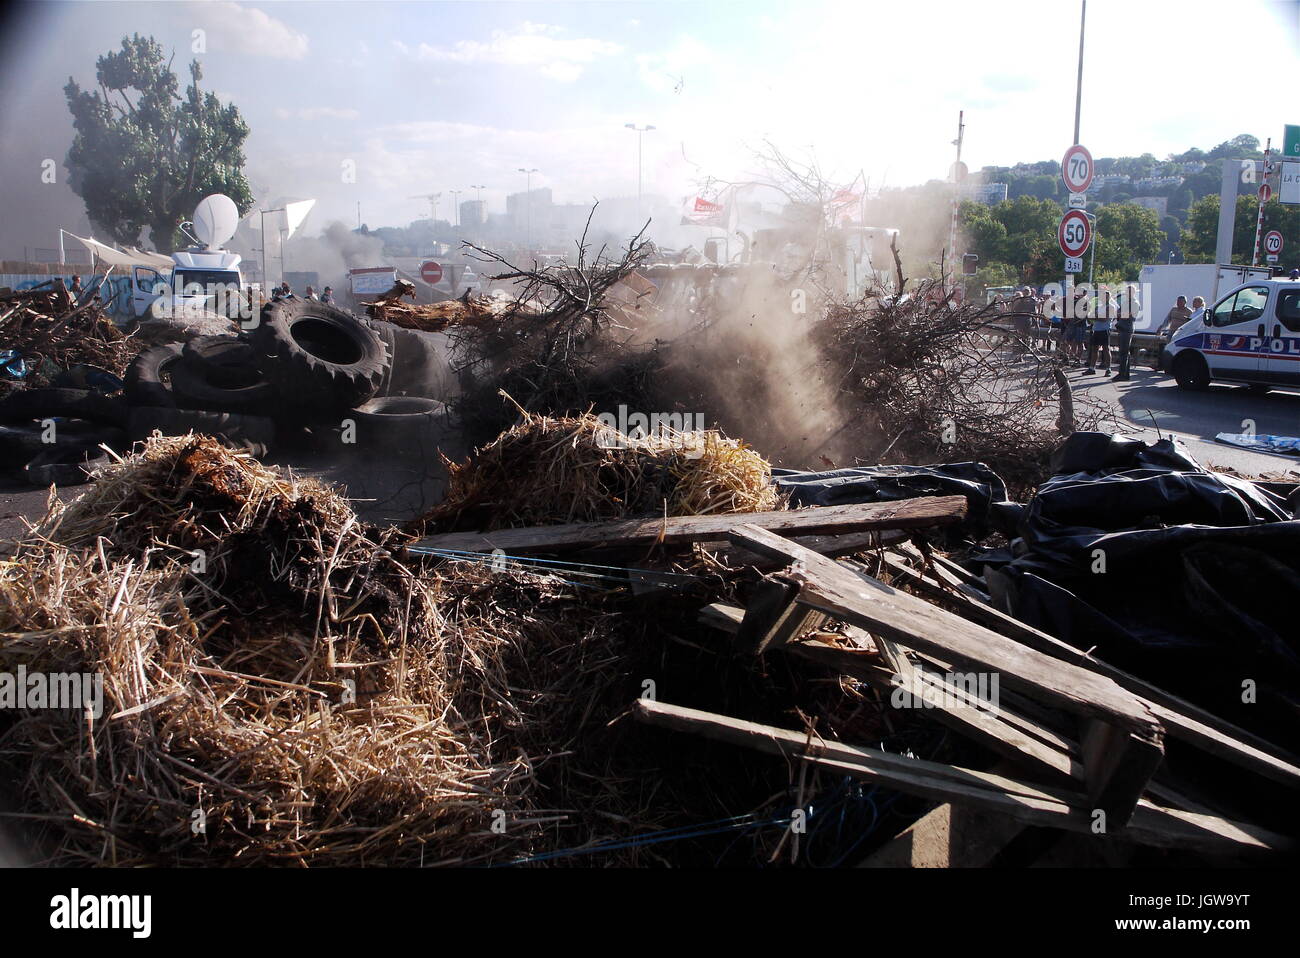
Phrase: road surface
x=1151 y=399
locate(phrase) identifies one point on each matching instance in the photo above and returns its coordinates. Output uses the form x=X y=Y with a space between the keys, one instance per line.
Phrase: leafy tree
x=1200 y=235
x=985 y=236
x=143 y=155
x=1129 y=236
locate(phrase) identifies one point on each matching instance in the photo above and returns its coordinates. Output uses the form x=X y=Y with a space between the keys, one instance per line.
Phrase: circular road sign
x=1075 y=233
x=431 y=272
x=1076 y=169
x=1265 y=192
x=1273 y=242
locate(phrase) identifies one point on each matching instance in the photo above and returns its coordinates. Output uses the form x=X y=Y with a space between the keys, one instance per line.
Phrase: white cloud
x=537 y=45
x=233 y=27
x=317 y=113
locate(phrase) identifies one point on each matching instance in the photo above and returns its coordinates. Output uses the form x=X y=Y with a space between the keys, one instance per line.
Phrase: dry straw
x=577 y=469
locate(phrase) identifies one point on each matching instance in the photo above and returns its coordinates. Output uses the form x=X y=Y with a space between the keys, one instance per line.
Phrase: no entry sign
x=1075 y=233
x=431 y=272
x=1076 y=169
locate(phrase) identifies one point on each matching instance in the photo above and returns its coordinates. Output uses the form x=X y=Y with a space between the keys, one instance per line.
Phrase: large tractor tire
x=318 y=356
x=148 y=378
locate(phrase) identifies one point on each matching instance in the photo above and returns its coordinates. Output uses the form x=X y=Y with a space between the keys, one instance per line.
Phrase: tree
x=143 y=155
x=1200 y=236
x=1028 y=222
x=1128 y=236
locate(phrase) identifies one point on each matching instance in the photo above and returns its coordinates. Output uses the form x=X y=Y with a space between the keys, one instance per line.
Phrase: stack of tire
x=54 y=435
x=306 y=366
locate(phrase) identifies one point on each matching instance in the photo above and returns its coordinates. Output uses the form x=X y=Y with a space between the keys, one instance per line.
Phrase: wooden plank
x=773 y=618
x=1001 y=732
x=847 y=544
x=1183 y=720
x=859 y=517
x=1036 y=805
x=722 y=615
x=1117 y=767
x=866 y=602
x=949 y=836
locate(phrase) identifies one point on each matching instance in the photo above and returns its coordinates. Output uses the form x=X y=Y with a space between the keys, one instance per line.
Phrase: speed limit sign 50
x=1075 y=233
x=1076 y=169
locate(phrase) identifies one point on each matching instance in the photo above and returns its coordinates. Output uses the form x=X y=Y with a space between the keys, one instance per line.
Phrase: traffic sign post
x=1272 y=246
x=431 y=272
x=1074 y=264
x=1078 y=201
x=1077 y=169
x=1074 y=235
x=1265 y=194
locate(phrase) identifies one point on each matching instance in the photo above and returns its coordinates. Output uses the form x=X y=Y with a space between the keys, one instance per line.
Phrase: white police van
x=1250 y=336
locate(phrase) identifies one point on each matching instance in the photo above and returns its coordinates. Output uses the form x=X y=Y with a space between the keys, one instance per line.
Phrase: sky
x=424 y=97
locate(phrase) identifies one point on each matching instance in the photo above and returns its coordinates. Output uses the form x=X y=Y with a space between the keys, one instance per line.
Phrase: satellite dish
x=215 y=219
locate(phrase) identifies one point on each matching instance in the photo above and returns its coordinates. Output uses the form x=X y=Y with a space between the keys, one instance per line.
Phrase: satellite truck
x=203 y=276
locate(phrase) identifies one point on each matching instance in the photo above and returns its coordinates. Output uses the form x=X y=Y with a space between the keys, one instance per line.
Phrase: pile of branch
x=944 y=382
x=51 y=331
x=469 y=310
x=548 y=347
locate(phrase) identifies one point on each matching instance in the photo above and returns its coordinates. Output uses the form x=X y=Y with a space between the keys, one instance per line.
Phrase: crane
x=433 y=205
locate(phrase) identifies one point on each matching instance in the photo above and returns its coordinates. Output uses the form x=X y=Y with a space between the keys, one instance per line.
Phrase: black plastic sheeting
x=986 y=494
x=1188 y=578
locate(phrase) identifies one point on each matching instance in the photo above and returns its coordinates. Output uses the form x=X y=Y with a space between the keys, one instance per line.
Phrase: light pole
x=640 y=132
x=265 y=277
x=528 y=200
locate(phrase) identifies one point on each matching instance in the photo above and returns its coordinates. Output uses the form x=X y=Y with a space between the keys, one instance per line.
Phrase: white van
x=1251 y=336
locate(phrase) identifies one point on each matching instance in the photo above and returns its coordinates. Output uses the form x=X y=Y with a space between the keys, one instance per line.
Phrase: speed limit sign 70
x=1076 y=169
x=1273 y=242
x=1075 y=233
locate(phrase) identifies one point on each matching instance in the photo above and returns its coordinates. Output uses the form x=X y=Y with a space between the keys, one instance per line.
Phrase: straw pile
x=547 y=470
x=304 y=697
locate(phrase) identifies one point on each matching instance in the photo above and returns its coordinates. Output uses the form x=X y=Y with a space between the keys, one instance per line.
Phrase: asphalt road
x=1152 y=404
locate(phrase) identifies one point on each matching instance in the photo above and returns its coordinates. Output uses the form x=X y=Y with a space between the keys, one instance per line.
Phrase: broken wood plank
x=906 y=514
x=1034 y=804
x=1117 y=767
x=844 y=545
x=1183 y=720
x=866 y=602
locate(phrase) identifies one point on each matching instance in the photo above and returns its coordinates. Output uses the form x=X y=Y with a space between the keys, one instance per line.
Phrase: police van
x=1250 y=336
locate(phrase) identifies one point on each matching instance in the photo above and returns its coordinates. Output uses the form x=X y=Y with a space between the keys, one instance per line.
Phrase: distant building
x=1193 y=166
x=473 y=213
x=1105 y=179
x=1158 y=182
x=1158 y=203
x=534 y=206
x=987 y=193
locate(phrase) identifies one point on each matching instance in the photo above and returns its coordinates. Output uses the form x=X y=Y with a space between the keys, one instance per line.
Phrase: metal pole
x=265 y=278
x=1078 y=90
x=956 y=188
x=640 y=139
x=1259 y=217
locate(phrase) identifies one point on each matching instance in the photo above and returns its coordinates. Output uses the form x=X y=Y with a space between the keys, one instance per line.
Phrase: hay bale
x=577 y=469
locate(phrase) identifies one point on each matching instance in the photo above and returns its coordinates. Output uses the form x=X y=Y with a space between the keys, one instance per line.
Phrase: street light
x=640 y=132
x=528 y=200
